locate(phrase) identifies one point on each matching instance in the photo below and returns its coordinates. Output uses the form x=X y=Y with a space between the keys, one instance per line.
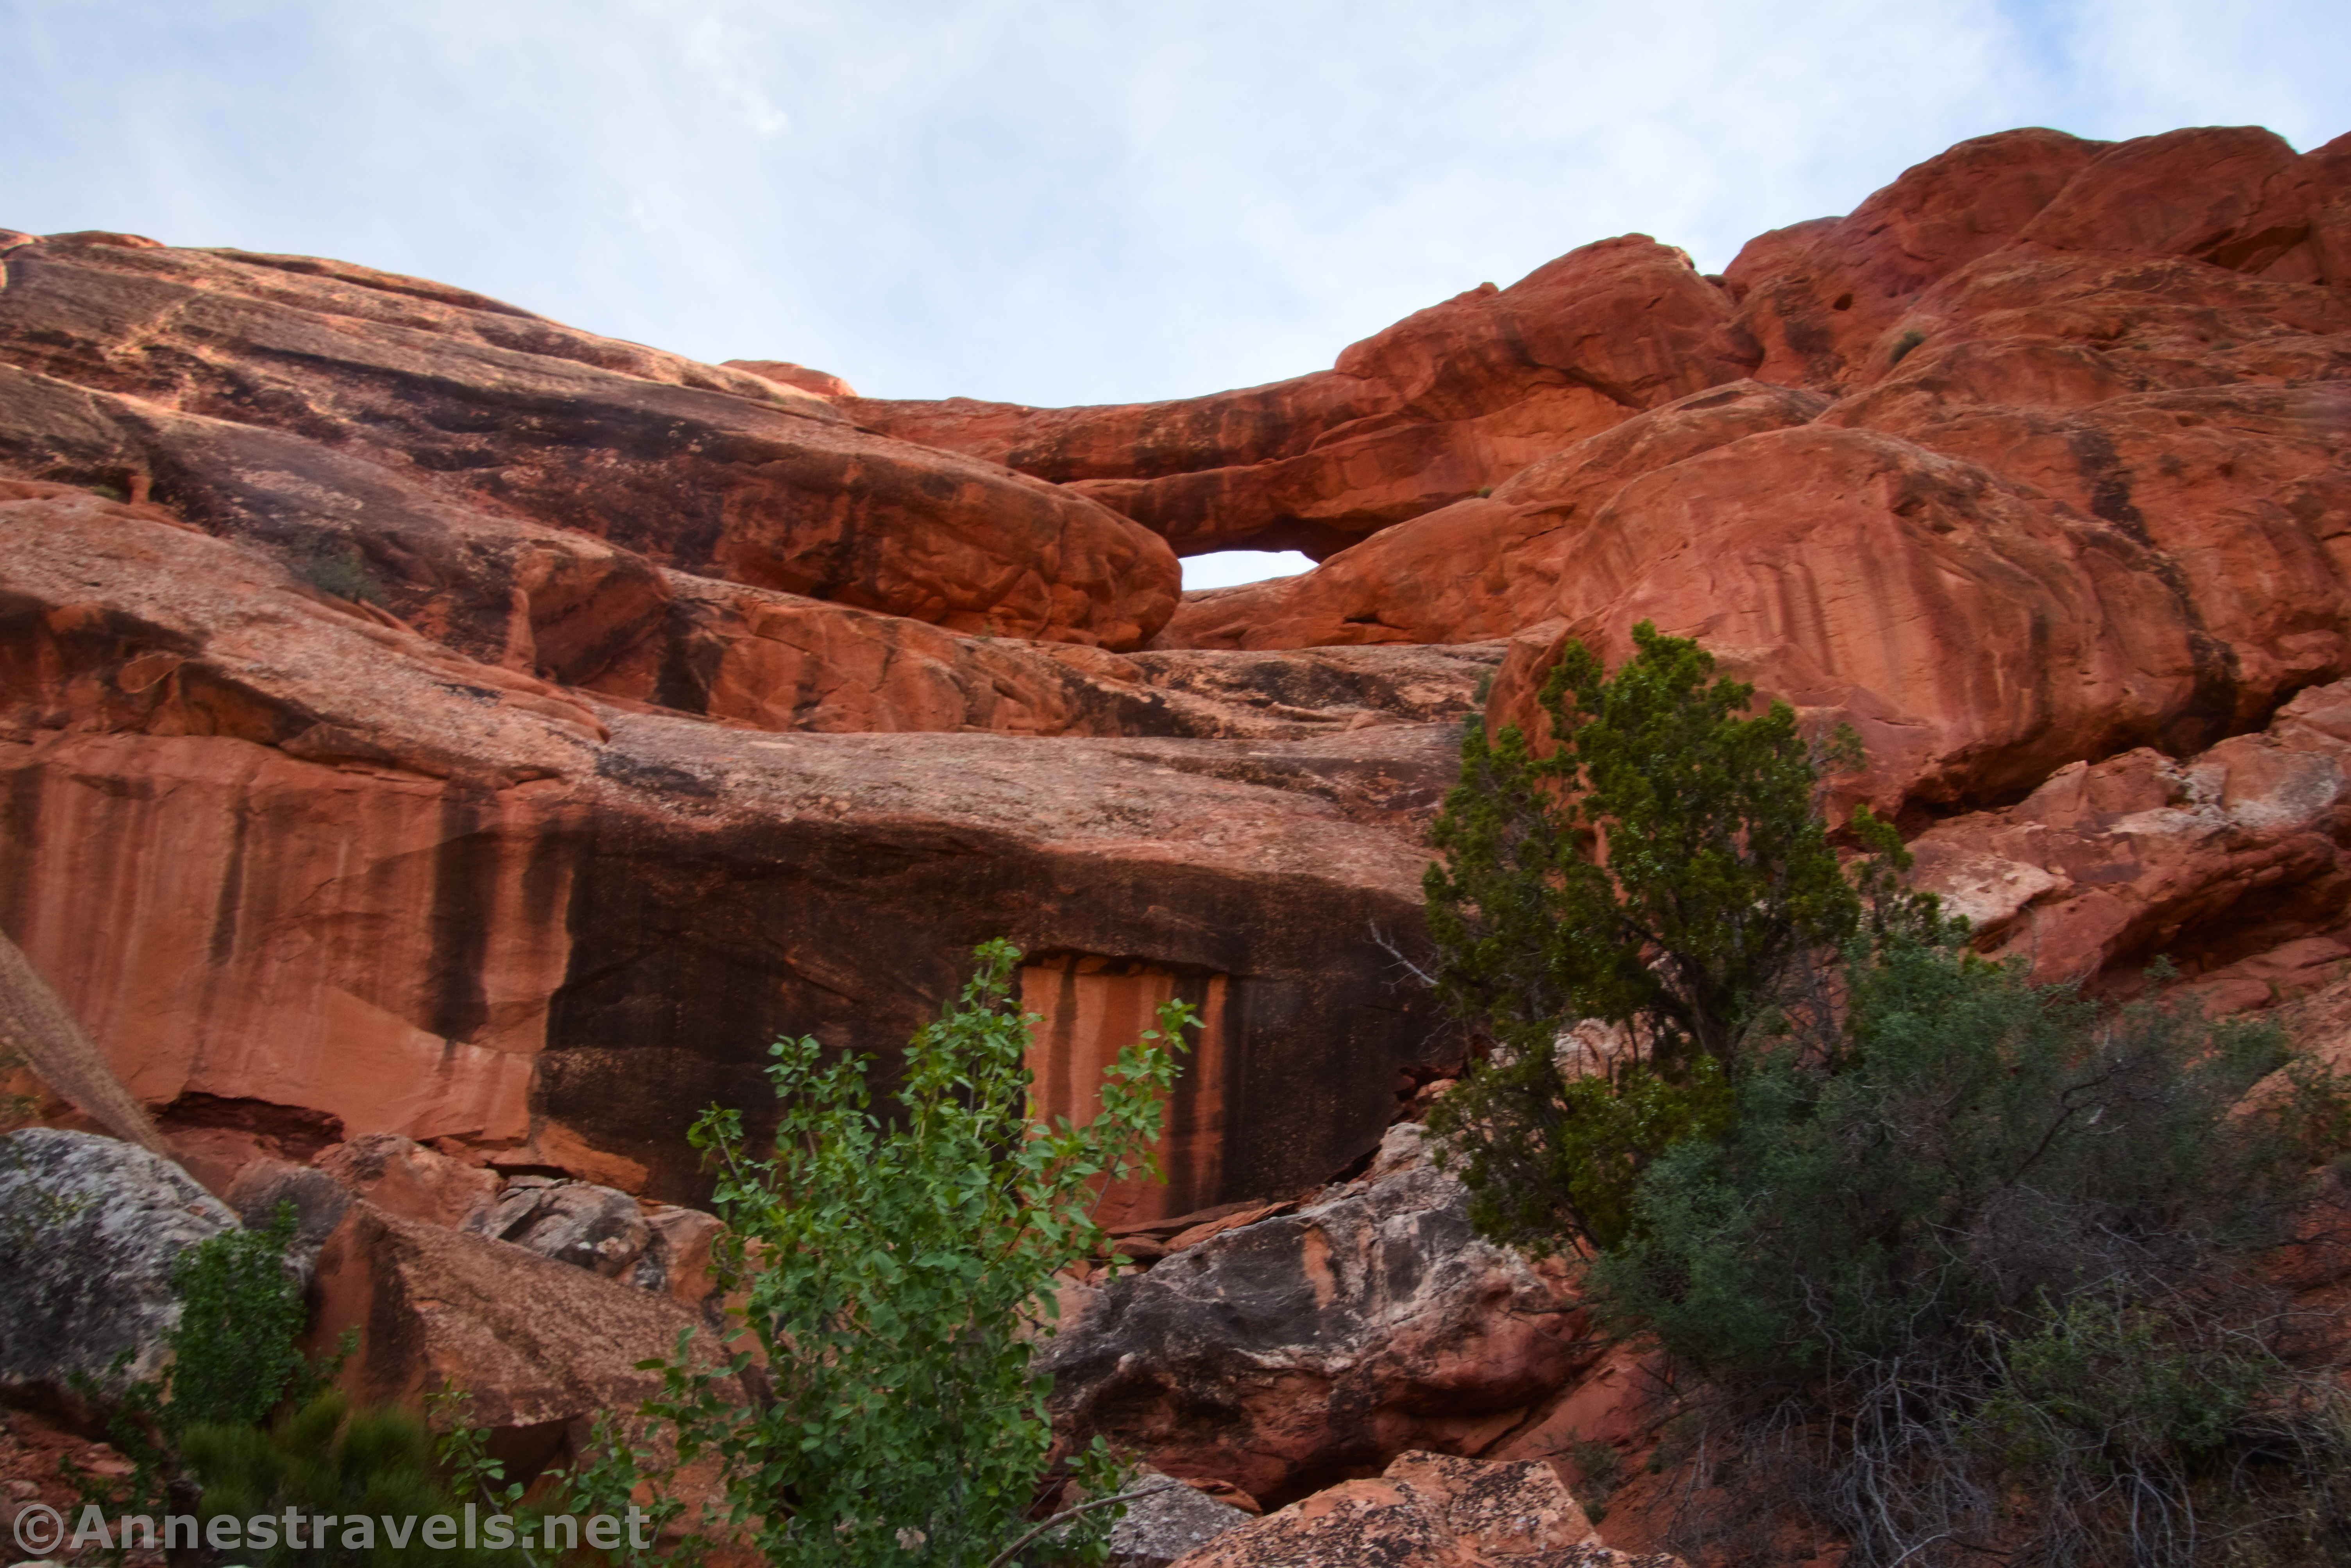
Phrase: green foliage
x=15 y=1110
x=1599 y=1470
x=234 y=1356
x=1663 y=869
x=2001 y=1260
x=325 y=1459
x=897 y=1271
x=1966 y=1267
x=234 y=1360
x=1990 y=1146
x=1902 y=345
x=604 y=1478
x=342 y=572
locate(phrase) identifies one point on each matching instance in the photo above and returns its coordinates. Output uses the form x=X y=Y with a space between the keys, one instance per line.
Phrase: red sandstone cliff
x=418 y=716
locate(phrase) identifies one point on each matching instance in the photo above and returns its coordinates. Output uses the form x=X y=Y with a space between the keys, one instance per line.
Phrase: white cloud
x=1059 y=204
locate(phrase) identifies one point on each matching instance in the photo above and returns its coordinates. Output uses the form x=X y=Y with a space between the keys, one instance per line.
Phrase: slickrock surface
x=2048 y=454
x=427 y=440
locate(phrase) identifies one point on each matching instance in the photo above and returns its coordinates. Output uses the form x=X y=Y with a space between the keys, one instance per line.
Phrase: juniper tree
x=1665 y=868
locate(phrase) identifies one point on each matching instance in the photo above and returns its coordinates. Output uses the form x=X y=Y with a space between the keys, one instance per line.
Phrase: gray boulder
x=597 y=1229
x=1371 y=1320
x=317 y=1198
x=90 y=1231
x=1158 y=1530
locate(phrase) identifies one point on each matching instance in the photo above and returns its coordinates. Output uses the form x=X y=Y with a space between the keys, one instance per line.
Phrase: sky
x=1063 y=201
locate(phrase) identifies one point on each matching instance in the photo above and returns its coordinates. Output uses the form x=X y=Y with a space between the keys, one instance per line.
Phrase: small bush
x=342 y=572
x=234 y=1352
x=897 y=1272
x=1997 y=1276
x=324 y=1458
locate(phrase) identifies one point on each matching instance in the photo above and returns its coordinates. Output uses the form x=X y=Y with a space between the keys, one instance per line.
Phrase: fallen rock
x=1277 y=1355
x=403 y=1178
x=575 y=1222
x=318 y=1201
x=1156 y=1529
x=1427 y=1510
x=542 y=1347
x=90 y=1230
x=2233 y=854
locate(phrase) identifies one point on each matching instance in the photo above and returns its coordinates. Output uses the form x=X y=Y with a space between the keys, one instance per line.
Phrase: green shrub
x=234 y=1352
x=1961 y=1268
x=1663 y=869
x=325 y=1459
x=895 y=1272
x=341 y=572
x=2000 y=1269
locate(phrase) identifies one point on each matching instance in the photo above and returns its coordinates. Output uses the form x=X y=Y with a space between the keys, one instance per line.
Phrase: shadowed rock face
x=340 y=867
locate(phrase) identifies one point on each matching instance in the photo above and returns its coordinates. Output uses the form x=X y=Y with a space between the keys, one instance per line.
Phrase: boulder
x=1429 y=1510
x=1277 y=1355
x=2213 y=860
x=403 y=1178
x=540 y=1346
x=90 y=1231
x=575 y=1222
x=1155 y=1529
x=319 y=1202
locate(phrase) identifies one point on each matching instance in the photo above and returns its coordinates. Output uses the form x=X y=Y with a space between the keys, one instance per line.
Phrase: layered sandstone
x=418 y=717
x=2047 y=456
x=1444 y=404
x=336 y=868
x=408 y=600
x=511 y=481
